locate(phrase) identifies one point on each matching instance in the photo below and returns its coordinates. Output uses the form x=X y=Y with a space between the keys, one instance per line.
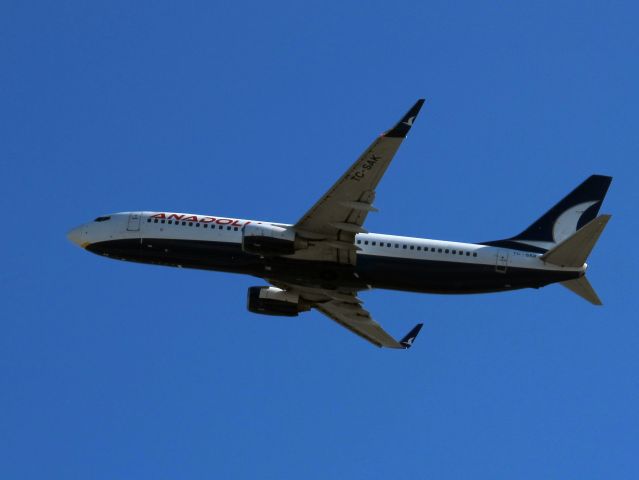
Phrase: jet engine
x=274 y=301
x=265 y=239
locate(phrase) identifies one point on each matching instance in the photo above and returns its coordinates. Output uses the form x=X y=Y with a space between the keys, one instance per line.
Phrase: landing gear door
x=502 y=261
x=134 y=222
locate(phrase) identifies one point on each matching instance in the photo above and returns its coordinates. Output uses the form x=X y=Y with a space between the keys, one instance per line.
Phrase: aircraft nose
x=75 y=236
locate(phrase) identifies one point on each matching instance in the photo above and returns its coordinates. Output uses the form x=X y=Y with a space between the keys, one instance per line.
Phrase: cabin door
x=502 y=261
x=134 y=222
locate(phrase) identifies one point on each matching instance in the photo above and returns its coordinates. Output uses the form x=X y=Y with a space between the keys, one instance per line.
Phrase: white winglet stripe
x=409 y=122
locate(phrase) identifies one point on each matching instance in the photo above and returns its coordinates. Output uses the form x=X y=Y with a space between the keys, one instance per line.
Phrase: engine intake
x=274 y=301
x=263 y=239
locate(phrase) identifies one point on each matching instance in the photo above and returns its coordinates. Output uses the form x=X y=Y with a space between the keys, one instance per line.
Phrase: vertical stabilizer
x=568 y=216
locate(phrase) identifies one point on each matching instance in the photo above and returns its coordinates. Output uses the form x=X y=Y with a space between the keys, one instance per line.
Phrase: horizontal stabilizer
x=574 y=250
x=581 y=286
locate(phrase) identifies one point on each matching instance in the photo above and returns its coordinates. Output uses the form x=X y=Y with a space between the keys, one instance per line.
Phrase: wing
x=331 y=224
x=358 y=320
x=347 y=310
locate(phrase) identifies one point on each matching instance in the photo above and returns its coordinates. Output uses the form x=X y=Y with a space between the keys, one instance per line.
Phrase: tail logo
x=566 y=223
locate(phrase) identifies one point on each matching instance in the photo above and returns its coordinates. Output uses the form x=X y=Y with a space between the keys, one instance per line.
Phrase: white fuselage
x=153 y=229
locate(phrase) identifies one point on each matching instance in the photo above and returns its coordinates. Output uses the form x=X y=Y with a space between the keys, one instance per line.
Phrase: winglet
x=410 y=337
x=403 y=126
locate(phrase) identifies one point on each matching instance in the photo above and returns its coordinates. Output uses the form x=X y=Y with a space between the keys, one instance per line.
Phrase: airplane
x=327 y=257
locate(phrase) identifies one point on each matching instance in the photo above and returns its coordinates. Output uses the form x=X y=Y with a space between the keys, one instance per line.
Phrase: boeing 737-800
x=323 y=260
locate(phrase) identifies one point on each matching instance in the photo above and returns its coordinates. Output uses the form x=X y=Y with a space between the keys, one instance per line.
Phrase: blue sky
x=252 y=110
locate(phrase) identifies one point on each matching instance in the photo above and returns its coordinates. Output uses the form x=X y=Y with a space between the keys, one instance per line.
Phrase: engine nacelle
x=261 y=239
x=274 y=301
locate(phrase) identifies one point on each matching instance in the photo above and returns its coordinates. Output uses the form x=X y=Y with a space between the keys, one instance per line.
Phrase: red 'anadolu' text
x=194 y=218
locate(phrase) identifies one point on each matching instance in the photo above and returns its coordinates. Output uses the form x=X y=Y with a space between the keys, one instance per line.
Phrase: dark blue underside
x=371 y=270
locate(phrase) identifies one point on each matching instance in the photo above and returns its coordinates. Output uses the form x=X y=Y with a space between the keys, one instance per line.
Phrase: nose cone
x=75 y=236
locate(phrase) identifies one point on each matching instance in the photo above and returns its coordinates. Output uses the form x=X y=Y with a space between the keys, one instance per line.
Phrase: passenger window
x=446 y=251
x=148 y=220
x=359 y=242
x=419 y=248
x=468 y=254
x=432 y=249
x=206 y=225
x=197 y=224
x=397 y=245
x=170 y=222
x=461 y=253
x=228 y=228
x=404 y=247
x=373 y=243
x=190 y=224
x=221 y=227
x=365 y=242
x=412 y=247
x=235 y=228
x=474 y=254
x=183 y=223
x=155 y=221
x=163 y=221
x=453 y=252
x=388 y=245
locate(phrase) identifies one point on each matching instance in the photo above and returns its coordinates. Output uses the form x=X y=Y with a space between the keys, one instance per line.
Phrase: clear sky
x=251 y=110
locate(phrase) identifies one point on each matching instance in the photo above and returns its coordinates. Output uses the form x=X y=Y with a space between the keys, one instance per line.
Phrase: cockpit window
x=102 y=219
